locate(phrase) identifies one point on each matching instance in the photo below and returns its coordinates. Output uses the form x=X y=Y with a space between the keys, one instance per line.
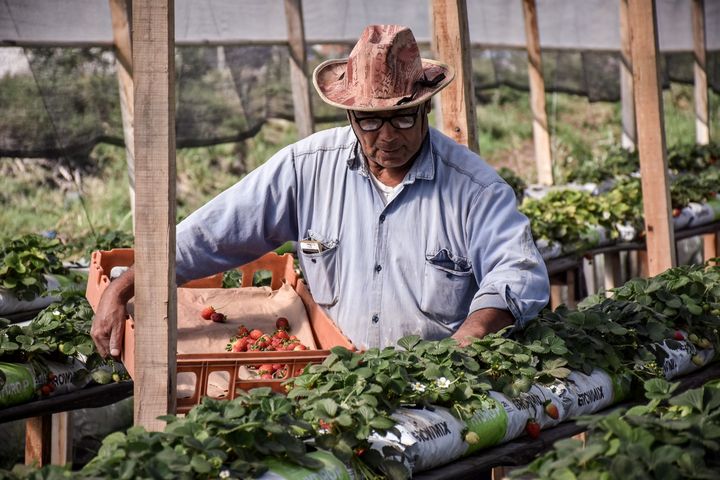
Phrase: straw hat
x=383 y=72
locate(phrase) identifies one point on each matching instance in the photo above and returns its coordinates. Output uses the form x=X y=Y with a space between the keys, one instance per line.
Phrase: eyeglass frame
x=389 y=119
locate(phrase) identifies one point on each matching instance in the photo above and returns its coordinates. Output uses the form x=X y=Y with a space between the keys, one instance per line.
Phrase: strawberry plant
x=25 y=259
x=616 y=162
x=217 y=439
x=675 y=438
x=567 y=215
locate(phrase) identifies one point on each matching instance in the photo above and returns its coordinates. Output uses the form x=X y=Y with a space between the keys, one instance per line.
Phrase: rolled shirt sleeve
x=511 y=274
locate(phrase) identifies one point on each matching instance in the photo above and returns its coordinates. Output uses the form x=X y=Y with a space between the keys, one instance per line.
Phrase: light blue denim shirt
x=450 y=243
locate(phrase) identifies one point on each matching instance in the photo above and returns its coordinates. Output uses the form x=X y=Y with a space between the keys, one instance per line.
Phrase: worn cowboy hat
x=383 y=72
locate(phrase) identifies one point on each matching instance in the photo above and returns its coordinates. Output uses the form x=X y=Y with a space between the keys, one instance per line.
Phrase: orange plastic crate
x=326 y=334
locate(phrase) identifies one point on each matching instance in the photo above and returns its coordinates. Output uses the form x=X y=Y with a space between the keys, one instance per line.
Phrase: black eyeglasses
x=401 y=122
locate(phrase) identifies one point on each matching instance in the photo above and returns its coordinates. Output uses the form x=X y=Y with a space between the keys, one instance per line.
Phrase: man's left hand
x=481 y=322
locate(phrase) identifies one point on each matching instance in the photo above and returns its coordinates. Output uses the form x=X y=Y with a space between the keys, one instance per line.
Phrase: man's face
x=391 y=139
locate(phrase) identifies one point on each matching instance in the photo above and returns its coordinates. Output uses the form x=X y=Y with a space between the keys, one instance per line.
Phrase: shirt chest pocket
x=448 y=287
x=320 y=269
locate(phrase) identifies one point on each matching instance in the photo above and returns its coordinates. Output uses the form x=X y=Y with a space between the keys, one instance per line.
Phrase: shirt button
x=378 y=268
x=375 y=318
x=382 y=218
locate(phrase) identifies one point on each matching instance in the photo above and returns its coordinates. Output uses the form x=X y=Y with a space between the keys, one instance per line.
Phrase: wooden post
x=629 y=132
x=451 y=44
x=155 y=293
x=612 y=270
x=61 y=446
x=702 y=130
x=711 y=246
x=302 y=104
x=121 y=13
x=37 y=440
x=702 y=126
x=541 y=134
x=651 y=137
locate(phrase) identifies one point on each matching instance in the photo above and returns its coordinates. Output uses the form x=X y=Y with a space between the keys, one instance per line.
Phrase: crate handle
x=282 y=268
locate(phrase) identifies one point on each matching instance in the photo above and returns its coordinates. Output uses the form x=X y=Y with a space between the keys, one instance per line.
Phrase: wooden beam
x=302 y=104
x=451 y=44
x=702 y=130
x=155 y=293
x=541 y=134
x=651 y=136
x=629 y=132
x=121 y=14
x=61 y=443
x=38 y=432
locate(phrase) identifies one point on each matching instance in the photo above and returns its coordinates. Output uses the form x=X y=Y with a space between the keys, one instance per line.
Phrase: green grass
x=31 y=202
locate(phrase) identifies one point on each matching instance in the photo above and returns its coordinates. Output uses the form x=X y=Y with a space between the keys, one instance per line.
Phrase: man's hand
x=481 y=322
x=109 y=320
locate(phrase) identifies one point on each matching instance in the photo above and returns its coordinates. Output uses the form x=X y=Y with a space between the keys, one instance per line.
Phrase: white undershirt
x=386 y=193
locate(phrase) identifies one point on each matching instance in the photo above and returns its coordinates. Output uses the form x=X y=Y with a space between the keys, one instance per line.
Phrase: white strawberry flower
x=56 y=312
x=442 y=382
x=224 y=474
x=418 y=387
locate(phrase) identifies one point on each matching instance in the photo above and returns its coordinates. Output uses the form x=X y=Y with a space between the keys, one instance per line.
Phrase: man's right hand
x=109 y=321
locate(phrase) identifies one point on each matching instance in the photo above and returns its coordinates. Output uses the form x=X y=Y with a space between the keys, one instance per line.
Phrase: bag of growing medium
x=676 y=357
x=702 y=213
x=489 y=423
x=529 y=405
x=65 y=377
x=428 y=438
x=333 y=469
x=590 y=393
x=17 y=384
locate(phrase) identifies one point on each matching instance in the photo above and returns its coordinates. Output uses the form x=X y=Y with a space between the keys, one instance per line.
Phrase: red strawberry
x=45 y=390
x=676 y=212
x=532 y=428
x=255 y=334
x=552 y=410
x=240 y=345
x=265 y=368
x=325 y=425
x=218 y=317
x=282 y=335
x=300 y=347
x=678 y=335
x=276 y=366
x=266 y=376
x=242 y=331
x=282 y=324
x=207 y=312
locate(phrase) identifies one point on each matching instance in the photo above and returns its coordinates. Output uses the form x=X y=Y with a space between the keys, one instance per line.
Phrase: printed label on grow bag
x=702 y=214
x=55 y=378
x=16 y=384
x=680 y=357
x=332 y=469
x=428 y=438
x=489 y=423
x=684 y=219
x=592 y=392
x=529 y=405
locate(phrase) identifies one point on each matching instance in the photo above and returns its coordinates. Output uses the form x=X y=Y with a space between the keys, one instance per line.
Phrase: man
x=401 y=230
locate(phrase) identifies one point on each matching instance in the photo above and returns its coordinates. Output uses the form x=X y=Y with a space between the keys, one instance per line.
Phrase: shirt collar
x=422 y=169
